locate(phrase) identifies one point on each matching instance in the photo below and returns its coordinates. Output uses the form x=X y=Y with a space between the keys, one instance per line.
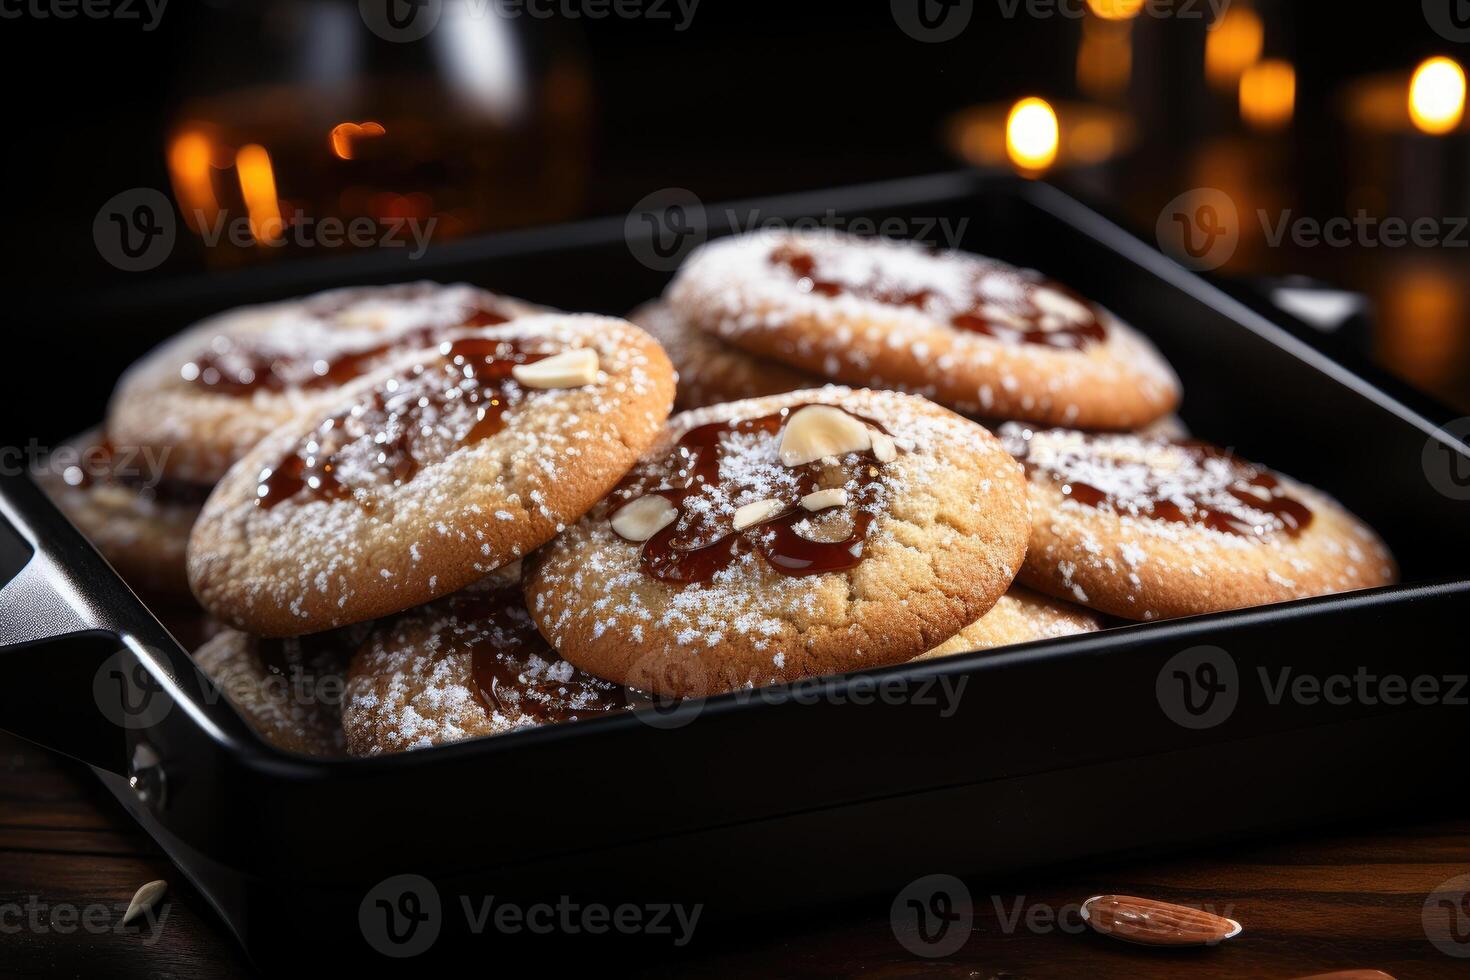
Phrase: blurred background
x=256 y=121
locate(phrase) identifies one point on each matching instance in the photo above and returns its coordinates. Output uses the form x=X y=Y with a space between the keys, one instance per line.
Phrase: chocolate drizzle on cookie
x=703 y=539
x=404 y=423
x=516 y=673
x=240 y=366
x=982 y=297
x=1181 y=481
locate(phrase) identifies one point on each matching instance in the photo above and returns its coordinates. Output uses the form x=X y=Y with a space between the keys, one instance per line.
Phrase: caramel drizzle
x=502 y=638
x=473 y=371
x=1071 y=336
x=1252 y=486
x=246 y=369
x=694 y=548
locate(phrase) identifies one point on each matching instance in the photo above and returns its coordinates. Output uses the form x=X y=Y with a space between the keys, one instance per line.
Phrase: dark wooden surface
x=1311 y=904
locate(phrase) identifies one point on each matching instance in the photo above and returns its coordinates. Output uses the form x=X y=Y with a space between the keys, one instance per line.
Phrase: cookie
x=1019 y=616
x=973 y=333
x=1149 y=528
x=712 y=371
x=785 y=537
x=429 y=474
x=118 y=497
x=209 y=394
x=468 y=665
x=290 y=691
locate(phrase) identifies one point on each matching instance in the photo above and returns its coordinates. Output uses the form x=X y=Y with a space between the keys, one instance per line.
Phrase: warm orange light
x=1105 y=57
x=1232 y=46
x=1115 y=9
x=189 y=169
x=1437 y=95
x=1268 y=94
x=258 y=187
x=1032 y=134
x=344 y=133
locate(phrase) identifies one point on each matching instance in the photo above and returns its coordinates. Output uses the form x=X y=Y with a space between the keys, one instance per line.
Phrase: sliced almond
x=641 y=519
x=144 y=899
x=569 y=369
x=752 y=514
x=817 y=431
x=1150 y=923
x=885 y=450
x=822 y=499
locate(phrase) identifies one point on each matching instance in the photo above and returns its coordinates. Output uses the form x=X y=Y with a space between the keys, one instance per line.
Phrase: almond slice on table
x=1151 y=923
x=144 y=899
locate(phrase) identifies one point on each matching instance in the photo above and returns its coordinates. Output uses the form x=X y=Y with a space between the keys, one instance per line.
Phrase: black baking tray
x=1055 y=751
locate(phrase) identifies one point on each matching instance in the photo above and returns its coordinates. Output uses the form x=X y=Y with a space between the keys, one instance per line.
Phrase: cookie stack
x=481 y=511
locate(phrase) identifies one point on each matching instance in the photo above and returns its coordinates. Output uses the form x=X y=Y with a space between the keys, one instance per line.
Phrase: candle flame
x=1232 y=45
x=1032 y=134
x=1268 y=94
x=189 y=158
x=1115 y=9
x=1437 y=96
x=344 y=133
x=258 y=187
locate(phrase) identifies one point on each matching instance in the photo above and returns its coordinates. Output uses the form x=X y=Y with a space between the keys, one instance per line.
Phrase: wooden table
x=1346 y=900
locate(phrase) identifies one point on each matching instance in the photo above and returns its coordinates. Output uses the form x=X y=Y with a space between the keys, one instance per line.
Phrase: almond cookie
x=138 y=518
x=429 y=474
x=1019 y=616
x=468 y=665
x=1148 y=528
x=974 y=333
x=215 y=390
x=710 y=370
x=289 y=690
x=785 y=537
